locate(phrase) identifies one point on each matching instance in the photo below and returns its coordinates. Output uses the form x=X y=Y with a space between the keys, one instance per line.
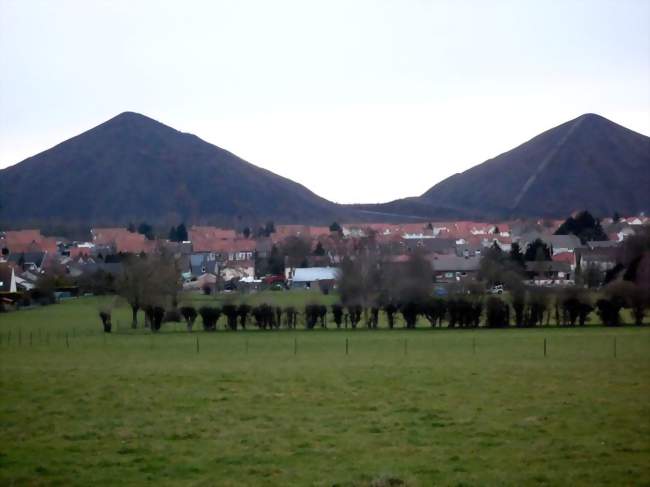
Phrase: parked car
x=498 y=289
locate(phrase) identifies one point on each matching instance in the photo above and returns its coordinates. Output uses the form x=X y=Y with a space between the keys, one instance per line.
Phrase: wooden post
x=347 y=346
x=614 y=347
x=474 y=345
x=295 y=346
x=544 y=347
x=197 y=344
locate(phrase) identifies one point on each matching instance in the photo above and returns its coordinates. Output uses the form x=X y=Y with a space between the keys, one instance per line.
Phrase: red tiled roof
x=211 y=239
x=78 y=251
x=28 y=241
x=122 y=240
x=304 y=231
x=23 y=236
x=568 y=257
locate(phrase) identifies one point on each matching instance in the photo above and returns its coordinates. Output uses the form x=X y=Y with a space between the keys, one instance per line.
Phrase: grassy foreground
x=425 y=407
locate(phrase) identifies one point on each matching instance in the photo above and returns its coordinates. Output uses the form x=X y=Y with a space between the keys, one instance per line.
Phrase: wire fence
x=606 y=344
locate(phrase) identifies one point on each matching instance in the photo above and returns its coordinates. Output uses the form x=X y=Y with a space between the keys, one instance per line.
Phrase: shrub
x=173 y=315
x=390 y=309
x=291 y=316
x=410 y=311
x=374 y=317
x=154 y=316
x=337 y=314
x=278 y=316
x=105 y=316
x=609 y=311
x=210 y=316
x=243 y=311
x=497 y=313
x=189 y=315
x=231 y=312
x=434 y=310
x=312 y=312
x=354 y=313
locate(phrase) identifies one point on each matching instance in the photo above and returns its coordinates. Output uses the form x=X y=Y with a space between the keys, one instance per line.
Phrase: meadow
x=322 y=407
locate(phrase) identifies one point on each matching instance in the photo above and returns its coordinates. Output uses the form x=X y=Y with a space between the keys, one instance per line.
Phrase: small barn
x=309 y=277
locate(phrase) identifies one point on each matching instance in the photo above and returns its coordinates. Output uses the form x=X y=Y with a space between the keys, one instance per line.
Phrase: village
x=211 y=259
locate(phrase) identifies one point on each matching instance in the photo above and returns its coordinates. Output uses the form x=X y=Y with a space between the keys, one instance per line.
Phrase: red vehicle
x=273 y=279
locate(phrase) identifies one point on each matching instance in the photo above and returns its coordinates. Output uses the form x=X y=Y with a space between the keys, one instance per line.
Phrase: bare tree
x=151 y=280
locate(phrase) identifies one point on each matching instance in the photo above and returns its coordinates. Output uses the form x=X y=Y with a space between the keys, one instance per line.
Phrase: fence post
x=614 y=347
x=544 y=347
x=473 y=345
x=197 y=344
x=347 y=346
x=295 y=346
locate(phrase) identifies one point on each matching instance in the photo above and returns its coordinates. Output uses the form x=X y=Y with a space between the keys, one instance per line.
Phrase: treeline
x=571 y=307
x=375 y=292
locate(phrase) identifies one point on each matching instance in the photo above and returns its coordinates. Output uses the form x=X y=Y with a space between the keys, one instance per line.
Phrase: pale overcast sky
x=361 y=101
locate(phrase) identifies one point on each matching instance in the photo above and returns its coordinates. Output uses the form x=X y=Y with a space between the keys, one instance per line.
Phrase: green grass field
x=424 y=407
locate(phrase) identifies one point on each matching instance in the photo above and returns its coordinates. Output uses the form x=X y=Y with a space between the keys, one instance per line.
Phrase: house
x=28 y=261
x=306 y=277
x=121 y=240
x=563 y=243
x=23 y=284
x=601 y=244
x=450 y=268
x=559 y=243
x=27 y=241
x=548 y=272
x=603 y=258
x=7 y=279
x=80 y=250
x=303 y=231
x=568 y=257
x=431 y=245
x=263 y=247
x=242 y=249
x=200 y=264
x=237 y=269
x=504 y=243
x=210 y=239
x=208 y=280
